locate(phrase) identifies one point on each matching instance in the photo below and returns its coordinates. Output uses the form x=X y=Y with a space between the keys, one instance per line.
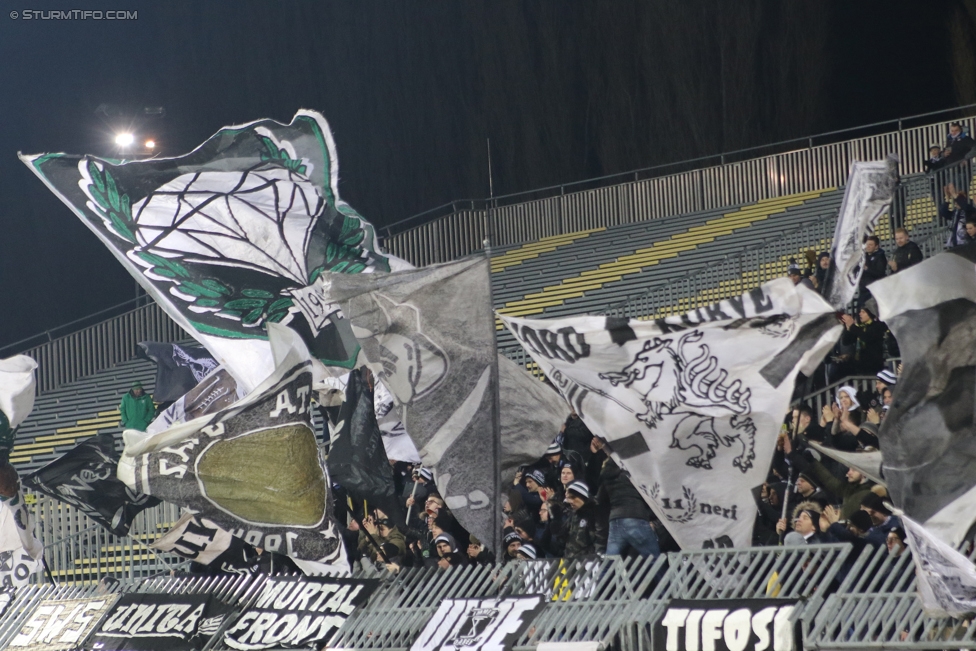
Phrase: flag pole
x=496 y=441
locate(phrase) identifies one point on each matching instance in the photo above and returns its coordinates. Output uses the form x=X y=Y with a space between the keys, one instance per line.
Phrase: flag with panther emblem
x=690 y=406
x=234 y=235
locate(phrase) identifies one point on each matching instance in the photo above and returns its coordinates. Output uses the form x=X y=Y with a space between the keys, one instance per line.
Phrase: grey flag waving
x=690 y=406
x=867 y=196
x=429 y=335
x=928 y=436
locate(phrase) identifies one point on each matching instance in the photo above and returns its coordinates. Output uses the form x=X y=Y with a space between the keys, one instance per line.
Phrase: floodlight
x=150 y=144
x=124 y=139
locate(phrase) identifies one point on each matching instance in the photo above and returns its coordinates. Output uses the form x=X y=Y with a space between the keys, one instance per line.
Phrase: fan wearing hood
x=447 y=552
x=867 y=336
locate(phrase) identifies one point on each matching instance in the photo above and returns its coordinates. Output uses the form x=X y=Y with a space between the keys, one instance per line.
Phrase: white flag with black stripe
x=690 y=406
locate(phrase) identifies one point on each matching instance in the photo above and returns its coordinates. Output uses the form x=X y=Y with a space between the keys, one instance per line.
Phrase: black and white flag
x=867 y=196
x=478 y=624
x=297 y=612
x=196 y=539
x=178 y=368
x=20 y=551
x=84 y=477
x=928 y=437
x=691 y=405
x=254 y=469
x=867 y=462
x=61 y=624
x=232 y=236
x=159 y=622
x=399 y=446
x=216 y=391
x=17 y=388
x=357 y=457
x=429 y=336
x=946 y=579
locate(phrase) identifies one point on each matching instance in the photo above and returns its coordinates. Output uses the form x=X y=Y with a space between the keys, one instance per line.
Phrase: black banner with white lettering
x=727 y=625
x=475 y=624
x=84 y=477
x=178 y=368
x=147 y=622
x=294 y=612
x=61 y=624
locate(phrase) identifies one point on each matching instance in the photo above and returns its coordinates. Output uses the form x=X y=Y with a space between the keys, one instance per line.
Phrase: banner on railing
x=727 y=625
x=476 y=624
x=295 y=612
x=151 y=622
x=61 y=624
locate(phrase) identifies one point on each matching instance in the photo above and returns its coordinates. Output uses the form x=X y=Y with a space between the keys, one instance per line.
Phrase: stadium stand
x=640 y=269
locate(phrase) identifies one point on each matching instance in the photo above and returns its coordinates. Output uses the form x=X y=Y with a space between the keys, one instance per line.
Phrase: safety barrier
x=841 y=599
x=101 y=346
x=515 y=219
x=80 y=552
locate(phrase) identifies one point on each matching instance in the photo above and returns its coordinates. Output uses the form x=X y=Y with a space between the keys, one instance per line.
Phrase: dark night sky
x=566 y=90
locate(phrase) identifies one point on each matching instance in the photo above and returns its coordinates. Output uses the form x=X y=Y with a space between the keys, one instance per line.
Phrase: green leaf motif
x=113 y=192
x=216 y=286
x=194 y=289
x=253 y=316
x=245 y=304
x=207 y=302
x=281 y=304
x=257 y=293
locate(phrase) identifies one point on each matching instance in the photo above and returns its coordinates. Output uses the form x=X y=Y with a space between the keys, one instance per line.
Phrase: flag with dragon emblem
x=234 y=235
x=690 y=406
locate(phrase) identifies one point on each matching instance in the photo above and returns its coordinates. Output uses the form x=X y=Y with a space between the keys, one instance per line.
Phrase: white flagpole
x=496 y=407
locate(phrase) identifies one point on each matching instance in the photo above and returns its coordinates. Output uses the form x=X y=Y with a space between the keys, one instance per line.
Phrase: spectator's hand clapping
x=831 y=514
x=874 y=416
x=474 y=550
x=444 y=563
x=828 y=413
x=847 y=320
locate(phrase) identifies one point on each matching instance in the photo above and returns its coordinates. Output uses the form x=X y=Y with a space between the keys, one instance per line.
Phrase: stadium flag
x=690 y=405
x=428 y=338
x=178 y=368
x=357 y=457
x=254 y=468
x=399 y=446
x=234 y=235
x=203 y=541
x=531 y=415
x=84 y=477
x=868 y=463
x=17 y=385
x=946 y=578
x=867 y=196
x=215 y=392
x=928 y=437
x=20 y=551
x=166 y=621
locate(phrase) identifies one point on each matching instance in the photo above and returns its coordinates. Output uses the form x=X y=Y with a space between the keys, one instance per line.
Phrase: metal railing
x=101 y=346
x=876 y=607
x=79 y=551
x=459 y=228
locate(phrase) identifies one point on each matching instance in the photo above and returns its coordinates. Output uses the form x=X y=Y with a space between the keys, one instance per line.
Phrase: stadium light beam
x=124 y=139
x=150 y=144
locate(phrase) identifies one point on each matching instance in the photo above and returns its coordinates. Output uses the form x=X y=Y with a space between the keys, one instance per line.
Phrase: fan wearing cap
x=796 y=275
x=842 y=419
x=586 y=530
x=137 y=408
x=806 y=523
x=511 y=542
x=526 y=552
x=447 y=551
x=881 y=519
x=556 y=458
x=867 y=337
x=423 y=479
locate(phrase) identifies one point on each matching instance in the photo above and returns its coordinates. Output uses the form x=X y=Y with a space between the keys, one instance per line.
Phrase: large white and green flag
x=234 y=235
